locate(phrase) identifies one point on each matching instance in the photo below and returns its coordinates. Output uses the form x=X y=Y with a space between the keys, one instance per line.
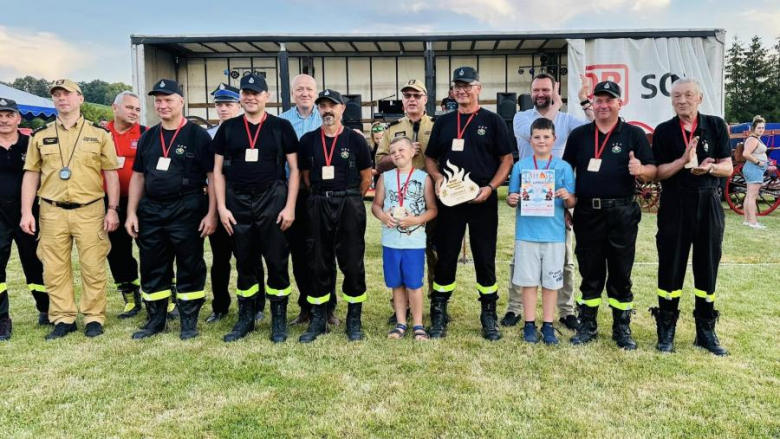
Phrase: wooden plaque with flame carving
x=457 y=187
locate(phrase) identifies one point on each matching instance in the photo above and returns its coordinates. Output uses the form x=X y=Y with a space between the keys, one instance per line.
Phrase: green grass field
x=461 y=386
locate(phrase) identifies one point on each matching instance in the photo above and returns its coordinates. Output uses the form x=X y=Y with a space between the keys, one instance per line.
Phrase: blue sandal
x=398 y=332
x=419 y=333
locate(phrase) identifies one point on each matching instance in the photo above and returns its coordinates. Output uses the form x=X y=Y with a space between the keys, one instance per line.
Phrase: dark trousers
x=168 y=231
x=299 y=253
x=256 y=235
x=606 y=244
x=26 y=245
x=451 y=223
x=691 y=217
x=337 y=227
x=124 y=267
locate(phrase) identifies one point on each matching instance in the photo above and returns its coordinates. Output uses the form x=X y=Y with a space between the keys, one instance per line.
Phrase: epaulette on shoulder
x=97 y=125
x=40 y=128
x=395 y=122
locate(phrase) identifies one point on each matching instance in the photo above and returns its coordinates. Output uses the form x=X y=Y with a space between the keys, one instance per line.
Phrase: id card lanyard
x=65 y=171
x=164 y=162
x=459 y=144
x=328 y=171
x=253 y=154
x=595 y=163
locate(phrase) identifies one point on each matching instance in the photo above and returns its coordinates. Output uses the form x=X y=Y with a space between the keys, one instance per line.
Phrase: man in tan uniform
x=65 y=164
x=417 y=126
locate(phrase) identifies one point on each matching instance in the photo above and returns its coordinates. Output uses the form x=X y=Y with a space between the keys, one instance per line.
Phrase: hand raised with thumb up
x=634 y=165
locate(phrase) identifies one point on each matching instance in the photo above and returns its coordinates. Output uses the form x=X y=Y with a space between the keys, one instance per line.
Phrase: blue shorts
x=753 y=173
x=403 y=267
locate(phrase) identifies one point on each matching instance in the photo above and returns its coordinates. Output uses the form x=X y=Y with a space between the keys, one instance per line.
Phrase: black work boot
x=318 y=324
x=6 y=328
x=132 y=303
x=189 y=310
x=488 y=318
x=279 y=320
x=587 y=330
x=666 y=323
x=438 y=317
x=705 y=334
x=621 y=329
x=156 y=321
x=246 y=319
x=61 y=330
x=354 y=327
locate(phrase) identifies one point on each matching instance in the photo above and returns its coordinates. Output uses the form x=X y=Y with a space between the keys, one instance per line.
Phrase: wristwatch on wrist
x=114 y=208
x=586 y=101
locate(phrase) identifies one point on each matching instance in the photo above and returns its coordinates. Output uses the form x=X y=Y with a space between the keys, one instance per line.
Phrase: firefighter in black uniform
x=607 y=156
x=693 y=153
x=476 y=140
x=336 y=166
x=13 y=149
x=170 y=213
x=254 y=203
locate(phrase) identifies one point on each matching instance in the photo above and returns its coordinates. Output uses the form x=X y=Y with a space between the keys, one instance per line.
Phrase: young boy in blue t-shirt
x=540 y=239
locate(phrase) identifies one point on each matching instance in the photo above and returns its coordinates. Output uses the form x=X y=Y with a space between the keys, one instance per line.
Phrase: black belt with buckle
x=257 y=188
x=331 y=194
x=68 y=206
x=606 y=203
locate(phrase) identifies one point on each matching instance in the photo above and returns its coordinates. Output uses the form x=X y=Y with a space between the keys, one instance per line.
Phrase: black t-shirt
x=191 y=158
x=12 y=168
x=232 y=142
x=613 y=179
x=668 y=146
x=486 y=140
x=350 y=156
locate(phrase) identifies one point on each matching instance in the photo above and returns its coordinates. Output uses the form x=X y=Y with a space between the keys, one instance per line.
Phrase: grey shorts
x=539 y=264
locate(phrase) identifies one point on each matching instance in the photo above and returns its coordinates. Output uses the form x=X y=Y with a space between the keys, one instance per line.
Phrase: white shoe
x=745 y=223
x=758 y=226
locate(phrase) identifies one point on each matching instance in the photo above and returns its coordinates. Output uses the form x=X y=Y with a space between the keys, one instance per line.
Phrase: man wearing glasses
x=477 y=141
x=417 y=126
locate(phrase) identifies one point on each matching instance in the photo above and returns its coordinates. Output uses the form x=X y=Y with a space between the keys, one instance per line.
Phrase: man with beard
x=545 y=93
x=170 y=213
x=304 y=118
x=69 y=159
x=693 y=154
x=255 y=204
x=607 y=155
x=336 y=167
x=14 y=144
x=477 y=141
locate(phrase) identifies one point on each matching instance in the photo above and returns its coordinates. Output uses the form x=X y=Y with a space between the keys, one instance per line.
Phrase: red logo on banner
x=617 y=73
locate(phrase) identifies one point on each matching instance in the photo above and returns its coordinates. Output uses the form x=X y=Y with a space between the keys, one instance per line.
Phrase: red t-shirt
x=126 y=145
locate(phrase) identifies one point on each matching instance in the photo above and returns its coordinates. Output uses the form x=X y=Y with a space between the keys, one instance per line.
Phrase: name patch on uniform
x=50 y=141
x=400 y=134
x=90 y=139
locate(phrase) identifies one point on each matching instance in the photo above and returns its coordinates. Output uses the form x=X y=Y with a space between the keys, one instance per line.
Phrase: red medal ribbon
x=546 y=167
x=165 y=149
x=402 y=189
x=460 y=133
x=253 y=141
x=685 y=137
x=329 y=157
x=599 y=151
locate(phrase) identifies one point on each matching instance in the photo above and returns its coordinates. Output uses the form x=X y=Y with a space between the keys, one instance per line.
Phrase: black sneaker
x=215 y=317
x=61 y=330
x=510 y=319
x=5 y=328
x=93 y=329
x=570 y=322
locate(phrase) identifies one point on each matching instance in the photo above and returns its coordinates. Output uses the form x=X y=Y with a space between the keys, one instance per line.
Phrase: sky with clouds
x=88 y=40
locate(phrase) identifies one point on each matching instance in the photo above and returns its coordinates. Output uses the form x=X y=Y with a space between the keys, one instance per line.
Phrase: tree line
x=752 y=81
x=95 y=92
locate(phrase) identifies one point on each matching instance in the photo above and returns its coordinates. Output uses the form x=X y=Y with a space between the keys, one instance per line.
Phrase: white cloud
x=762 y=22
x=40 y=54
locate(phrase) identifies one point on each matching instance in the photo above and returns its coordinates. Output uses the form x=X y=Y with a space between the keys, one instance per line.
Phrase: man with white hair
x=125 y=130
x=693 y=153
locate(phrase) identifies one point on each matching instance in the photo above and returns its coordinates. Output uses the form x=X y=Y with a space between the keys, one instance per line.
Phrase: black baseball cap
x=331 y=95
x=166 y=87
x=8 y=105
x=465 y=74
x=608 y=87
x=254 y=82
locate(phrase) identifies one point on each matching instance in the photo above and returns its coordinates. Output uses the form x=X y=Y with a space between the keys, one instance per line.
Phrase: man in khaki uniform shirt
x=416 y=125
x=65 y=164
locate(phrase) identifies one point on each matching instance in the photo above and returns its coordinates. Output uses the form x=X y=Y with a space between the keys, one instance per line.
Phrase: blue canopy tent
x=30 y=106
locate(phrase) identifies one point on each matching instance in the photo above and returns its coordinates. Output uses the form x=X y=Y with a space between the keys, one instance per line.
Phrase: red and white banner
x=645 y=70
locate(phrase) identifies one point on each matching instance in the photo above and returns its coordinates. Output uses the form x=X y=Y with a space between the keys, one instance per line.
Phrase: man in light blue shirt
x=545 y=94
x=304 y=118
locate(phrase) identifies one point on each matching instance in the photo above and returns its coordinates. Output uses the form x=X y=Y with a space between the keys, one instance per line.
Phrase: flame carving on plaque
x=457 y=187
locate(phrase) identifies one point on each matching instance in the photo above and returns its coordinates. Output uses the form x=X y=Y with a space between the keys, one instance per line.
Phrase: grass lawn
x=461 y=386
